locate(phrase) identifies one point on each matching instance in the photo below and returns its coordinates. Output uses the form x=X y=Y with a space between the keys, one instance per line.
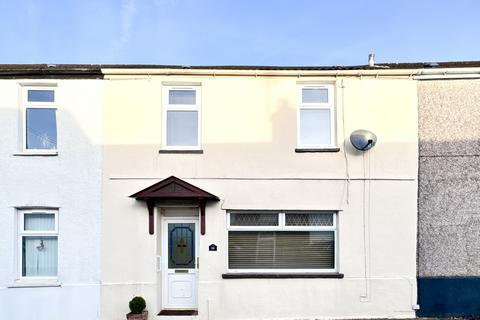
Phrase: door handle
x=159 y=263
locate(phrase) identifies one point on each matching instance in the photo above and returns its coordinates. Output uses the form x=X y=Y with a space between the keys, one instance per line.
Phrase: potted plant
x=137 y=309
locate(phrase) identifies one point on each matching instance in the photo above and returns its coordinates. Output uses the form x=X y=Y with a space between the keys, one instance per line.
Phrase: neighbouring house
x=235 y=192
x=448 y=204
x=50 y=191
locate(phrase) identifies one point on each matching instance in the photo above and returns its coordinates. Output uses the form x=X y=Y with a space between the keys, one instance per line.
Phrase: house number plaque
x=212 y=247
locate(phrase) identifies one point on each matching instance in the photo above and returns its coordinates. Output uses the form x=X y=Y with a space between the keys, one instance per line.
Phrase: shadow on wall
x=275 y=157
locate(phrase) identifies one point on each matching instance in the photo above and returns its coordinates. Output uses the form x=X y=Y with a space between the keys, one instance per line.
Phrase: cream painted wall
x=249 y=137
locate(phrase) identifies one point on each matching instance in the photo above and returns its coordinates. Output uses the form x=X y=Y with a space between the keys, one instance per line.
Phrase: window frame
x=282 y=227
x=181 y=107
x=38 y=105
x=23 y=233
x=330 y=105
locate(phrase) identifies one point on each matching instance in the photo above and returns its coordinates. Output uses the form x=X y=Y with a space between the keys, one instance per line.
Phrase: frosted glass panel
x=182 y=128
x=39 y=256
x=308 y=219
x=41 y=95
x=182 y=96
x=315 y=127
x=314 y=95
x=39 y=221
x=254 y=219
x=41 y=128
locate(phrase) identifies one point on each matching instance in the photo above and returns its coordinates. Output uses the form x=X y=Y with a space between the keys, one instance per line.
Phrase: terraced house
x=215 y=192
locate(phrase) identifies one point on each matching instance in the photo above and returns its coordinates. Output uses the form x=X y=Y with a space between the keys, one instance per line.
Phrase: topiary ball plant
x=137 y=305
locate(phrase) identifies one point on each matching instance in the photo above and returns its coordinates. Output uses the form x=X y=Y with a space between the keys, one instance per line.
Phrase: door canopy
x=174 y=188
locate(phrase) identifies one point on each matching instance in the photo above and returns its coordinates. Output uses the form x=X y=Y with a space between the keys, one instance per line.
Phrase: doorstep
x=178 y=315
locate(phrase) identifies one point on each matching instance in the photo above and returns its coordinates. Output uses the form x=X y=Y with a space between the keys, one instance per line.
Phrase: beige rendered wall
x=249 y=162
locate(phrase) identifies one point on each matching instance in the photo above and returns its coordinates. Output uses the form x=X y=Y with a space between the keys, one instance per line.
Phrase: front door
x=180 y=254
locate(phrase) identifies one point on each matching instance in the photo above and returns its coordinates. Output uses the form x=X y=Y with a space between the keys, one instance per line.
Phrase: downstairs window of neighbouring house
x=282 y=241
x=38 y=243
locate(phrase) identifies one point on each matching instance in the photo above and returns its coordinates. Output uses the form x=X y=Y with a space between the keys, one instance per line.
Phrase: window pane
x=315 y=127
x=39 y=256
x=41 y=95
x=181 y=245
x=308 y=219
x=182 y=96
x=254 y=219
x=39 y=221
x=281 y=250
x=182 y=128
x=314 y=95
x=41 y=128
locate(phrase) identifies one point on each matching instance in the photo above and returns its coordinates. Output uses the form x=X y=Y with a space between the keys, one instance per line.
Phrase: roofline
x=418 y=72
x=50 y=71
x=464 y=69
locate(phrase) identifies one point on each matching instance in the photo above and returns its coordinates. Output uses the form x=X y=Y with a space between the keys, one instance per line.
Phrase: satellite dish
x=363 y=140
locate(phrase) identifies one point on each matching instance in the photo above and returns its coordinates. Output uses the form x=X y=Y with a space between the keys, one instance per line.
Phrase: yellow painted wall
x=249 y=139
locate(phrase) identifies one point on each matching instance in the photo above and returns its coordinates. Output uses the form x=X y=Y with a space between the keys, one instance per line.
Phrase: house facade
x=236 y=193
x=50 y=192
x=220 y=194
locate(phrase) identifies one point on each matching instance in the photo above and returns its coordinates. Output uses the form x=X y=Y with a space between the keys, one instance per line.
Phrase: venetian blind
x=281 y=249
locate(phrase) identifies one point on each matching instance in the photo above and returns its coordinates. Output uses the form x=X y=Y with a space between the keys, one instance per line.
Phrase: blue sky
x=243 y=32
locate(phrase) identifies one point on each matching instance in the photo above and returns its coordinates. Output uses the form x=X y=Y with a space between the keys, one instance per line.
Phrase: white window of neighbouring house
x=38 y=243
x=315 y=125
x=39 y=119
x=300 y=241
x=181 y=118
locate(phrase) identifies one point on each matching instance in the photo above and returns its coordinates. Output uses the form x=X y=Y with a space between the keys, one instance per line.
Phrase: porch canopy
x=173 y=188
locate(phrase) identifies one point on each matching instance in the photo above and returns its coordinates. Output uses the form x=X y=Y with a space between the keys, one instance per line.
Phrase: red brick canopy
x=173 y=188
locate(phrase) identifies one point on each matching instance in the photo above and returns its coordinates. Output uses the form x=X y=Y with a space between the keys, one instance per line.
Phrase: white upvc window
x=37 y=244
x=289 y=241
x=39 y=115
x=181 y=117
x=316 y=116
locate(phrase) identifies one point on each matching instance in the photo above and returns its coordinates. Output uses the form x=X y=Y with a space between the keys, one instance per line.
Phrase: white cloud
x=128 y=11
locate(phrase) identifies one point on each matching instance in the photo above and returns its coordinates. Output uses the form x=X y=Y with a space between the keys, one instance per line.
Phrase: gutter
x=433 y=73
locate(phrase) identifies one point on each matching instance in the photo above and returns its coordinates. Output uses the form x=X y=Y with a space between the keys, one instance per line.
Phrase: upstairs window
x=316 y=127
x=268 y=241
x=40 y=119
x=38 y=243
x=181 y=124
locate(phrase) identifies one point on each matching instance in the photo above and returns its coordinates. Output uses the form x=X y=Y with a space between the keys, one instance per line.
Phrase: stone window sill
x=281 y=275
x=36 y=154
x=316 y=150
x=163 y=151
x=34 y=284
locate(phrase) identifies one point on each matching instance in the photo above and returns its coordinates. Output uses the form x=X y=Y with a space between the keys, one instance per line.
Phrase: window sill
x=36 y=154
x=317 y=150
x=34 y=284
x=282 y=275
x=180 y=151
